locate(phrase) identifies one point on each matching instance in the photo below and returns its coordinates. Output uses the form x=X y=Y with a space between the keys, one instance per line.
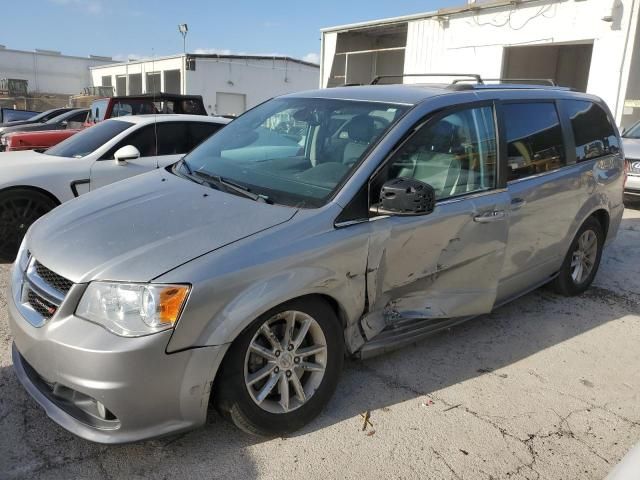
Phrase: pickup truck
x=148 y=103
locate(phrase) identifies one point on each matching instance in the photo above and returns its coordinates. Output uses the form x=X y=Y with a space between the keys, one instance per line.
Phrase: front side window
x=87 y=141
x=593 y=133
x=534 y=139
x=294 y=151
x=455 y=154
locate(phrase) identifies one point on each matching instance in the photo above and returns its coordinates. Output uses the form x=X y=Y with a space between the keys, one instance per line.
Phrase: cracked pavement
x=544 y=388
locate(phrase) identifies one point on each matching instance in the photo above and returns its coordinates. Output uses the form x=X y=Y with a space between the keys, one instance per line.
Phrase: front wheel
x=282 y=370
x=582 y=261
x=19 y=208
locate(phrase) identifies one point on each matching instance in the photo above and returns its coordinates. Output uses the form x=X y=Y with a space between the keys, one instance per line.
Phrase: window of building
x=534 y=139
x=106 y=81
x=121 y=85
x=456 y=155
x=594 y=135
x=153 y=82
x=135 y=84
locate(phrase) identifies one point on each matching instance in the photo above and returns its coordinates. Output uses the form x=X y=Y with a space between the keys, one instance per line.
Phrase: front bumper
x=69 y=364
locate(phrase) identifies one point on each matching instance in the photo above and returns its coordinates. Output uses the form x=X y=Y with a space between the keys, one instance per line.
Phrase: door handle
x=491 y=216
x=518 y=203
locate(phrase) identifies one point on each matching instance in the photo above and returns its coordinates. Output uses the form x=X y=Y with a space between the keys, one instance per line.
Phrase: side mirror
x=64 y=123
x=407 y=196
x=128 y=152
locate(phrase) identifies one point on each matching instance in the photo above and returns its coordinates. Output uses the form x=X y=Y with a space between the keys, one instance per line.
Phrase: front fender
x=222 y=304
x=346 y=291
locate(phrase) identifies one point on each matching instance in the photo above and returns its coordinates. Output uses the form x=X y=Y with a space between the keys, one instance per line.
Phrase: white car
x=32 y=183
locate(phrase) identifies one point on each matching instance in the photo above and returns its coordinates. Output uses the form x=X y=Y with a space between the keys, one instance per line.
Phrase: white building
x=49 y=71
x=590 y=45
x=229 y=84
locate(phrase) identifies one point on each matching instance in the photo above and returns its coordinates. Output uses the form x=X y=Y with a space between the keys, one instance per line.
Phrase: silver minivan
x=319 y=225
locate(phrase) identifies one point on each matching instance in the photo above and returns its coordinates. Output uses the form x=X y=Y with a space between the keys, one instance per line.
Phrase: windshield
x=293 y=151
x=88 y=140
x=633 y=132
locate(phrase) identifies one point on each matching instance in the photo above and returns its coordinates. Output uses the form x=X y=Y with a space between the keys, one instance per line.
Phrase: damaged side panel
x=442 y=265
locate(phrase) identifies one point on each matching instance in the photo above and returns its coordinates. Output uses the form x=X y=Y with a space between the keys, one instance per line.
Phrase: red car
x=35 y=140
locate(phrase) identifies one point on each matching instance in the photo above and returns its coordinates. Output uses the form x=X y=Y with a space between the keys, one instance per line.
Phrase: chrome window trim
x=566 y=167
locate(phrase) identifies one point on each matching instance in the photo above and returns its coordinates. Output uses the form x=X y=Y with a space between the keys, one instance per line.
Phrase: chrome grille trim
x=42 y=293
x=633 y=166
x=40 y=286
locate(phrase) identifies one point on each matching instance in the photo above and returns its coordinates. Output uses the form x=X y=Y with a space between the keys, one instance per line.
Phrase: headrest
x=361 y=129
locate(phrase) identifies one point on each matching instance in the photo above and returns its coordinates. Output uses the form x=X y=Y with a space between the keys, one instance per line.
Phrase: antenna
x=155 y=110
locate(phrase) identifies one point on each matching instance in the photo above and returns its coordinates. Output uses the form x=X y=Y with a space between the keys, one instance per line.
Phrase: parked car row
x=34 y=183
x=56 y=125
x=320 y=224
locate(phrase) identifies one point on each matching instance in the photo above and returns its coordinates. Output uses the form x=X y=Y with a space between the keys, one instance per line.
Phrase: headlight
x=133 y=310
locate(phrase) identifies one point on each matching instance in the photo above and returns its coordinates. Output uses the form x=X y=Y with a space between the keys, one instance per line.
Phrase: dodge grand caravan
x=345 y=221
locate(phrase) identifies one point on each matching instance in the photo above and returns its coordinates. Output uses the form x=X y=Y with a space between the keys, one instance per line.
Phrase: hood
x=631 y=148
x=138 y=229
x=23 y=163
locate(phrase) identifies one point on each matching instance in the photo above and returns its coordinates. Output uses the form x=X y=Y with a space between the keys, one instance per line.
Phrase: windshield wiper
x=230 y=186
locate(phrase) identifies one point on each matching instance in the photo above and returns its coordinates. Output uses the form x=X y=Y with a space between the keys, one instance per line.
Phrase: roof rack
x=462 y=76
x=471 y=81
x=544 y=81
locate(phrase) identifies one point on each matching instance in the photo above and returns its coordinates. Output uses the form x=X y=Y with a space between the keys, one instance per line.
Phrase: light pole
x=183 y=29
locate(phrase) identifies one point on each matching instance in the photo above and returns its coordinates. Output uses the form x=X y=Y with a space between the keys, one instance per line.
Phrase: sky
x=145 y=28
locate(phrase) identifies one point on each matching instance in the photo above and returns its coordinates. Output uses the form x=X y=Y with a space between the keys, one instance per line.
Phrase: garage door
x=568 y=65
x=230 y=103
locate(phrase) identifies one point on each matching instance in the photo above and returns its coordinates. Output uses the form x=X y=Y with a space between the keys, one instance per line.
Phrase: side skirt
x=410 y=331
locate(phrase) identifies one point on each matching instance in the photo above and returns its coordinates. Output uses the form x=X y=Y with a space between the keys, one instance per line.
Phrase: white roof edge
x=139 y=60
x=442 y=12
x=382 y=21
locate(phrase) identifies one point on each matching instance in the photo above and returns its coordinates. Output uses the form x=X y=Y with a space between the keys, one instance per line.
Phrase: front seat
x=361 y=130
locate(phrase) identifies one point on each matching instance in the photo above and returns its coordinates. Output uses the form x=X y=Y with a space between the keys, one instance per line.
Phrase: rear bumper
x=69 y=364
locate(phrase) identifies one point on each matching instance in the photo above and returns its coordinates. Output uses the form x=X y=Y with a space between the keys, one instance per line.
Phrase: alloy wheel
x=584 y=256
x=285 y=362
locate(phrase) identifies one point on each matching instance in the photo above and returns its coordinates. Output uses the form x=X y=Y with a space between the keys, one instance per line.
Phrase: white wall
x=473 y=43
x=142 y=67
x=259 y=80
x=48 y=73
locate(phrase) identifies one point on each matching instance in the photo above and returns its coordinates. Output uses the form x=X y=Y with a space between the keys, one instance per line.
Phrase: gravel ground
x=546 y=387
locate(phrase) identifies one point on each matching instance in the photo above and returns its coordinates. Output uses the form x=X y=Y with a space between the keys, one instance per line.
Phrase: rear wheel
x=582 y=261
x=19 y=208
x=281 y=372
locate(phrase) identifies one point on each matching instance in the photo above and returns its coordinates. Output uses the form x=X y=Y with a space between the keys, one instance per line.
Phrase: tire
x=19 y=208
x=237 y=400
x=566 y=282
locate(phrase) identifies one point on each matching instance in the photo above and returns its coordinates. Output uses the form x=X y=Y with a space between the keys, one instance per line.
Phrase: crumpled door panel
x=442 y=265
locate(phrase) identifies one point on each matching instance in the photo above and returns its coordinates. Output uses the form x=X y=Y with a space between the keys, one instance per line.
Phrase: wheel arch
x=32 y=188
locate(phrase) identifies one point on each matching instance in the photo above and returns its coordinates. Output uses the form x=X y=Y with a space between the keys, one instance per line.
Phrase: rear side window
x=200 y=132
x=534 y=139
x=592 y=130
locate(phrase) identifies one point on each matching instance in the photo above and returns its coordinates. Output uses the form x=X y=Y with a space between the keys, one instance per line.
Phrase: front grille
x=56 y=281
x=41 y=305
x=43 y=292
